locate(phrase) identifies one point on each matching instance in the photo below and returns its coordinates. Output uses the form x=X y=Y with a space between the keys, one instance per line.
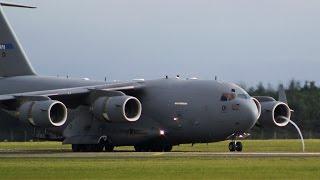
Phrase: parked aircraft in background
x=151 y=115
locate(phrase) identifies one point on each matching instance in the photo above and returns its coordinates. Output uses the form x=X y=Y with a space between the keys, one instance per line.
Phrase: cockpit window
x=243 y=96
x=228 y=96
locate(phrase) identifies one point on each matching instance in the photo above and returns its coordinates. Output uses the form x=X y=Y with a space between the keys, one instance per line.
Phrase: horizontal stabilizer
x=15 y=5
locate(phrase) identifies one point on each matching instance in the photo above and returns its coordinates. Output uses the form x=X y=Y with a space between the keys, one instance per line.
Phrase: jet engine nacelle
x=48 y=113
x=117 y=109
x=271 y=112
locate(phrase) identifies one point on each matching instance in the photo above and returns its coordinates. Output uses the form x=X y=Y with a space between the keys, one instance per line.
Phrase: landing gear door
x=179 y=113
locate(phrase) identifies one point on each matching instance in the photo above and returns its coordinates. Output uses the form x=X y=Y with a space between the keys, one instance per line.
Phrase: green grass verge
x=312 y=145
x=164 y=167
x=160 y=168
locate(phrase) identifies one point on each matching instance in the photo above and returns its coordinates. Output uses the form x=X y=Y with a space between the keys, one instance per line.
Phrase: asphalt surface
x=122 y=154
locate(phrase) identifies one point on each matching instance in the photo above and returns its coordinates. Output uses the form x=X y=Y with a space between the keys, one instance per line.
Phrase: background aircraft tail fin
x=282 y=95
x=13 y=60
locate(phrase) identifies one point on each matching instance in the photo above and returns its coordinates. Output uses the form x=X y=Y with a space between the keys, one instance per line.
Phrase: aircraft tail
x=13 y=60
x=282 y=95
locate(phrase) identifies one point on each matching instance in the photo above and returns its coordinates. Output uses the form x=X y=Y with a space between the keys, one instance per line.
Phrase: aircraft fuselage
x=181 y=111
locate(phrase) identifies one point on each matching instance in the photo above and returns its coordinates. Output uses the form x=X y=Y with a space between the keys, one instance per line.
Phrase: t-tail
x=13 y=60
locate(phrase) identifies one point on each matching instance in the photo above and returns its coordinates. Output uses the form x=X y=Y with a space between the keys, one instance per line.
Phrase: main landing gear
x=91 y=148
x=235 y=146
x=103 y=145
x=155 y=147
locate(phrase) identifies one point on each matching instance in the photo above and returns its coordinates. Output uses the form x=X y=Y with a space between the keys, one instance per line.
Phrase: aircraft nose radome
x=252 y=113
x=258 y=107
x=255 y=109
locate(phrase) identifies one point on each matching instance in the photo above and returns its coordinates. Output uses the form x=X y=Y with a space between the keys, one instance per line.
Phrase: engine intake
x=117 y=108
x=49 y=113
x=272 y=112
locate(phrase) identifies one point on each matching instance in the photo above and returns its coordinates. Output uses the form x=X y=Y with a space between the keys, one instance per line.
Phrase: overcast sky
x=239 y=41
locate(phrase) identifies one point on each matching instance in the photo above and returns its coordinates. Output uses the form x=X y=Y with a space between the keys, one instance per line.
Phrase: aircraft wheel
x=137 y=149
x=232 y=146
x=79 y=148
x=239 y=146
x=109 y=148
x=88 y=148
x=156 y=148
x=76 y=148
x=142 y=148
x=82 y=147
x=167 y=147
x=98 y=147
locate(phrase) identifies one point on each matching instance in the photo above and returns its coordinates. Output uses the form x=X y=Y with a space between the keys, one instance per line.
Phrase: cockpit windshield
x=243 y=96
x=235 y=91
x=228 y=96
x=232 y=96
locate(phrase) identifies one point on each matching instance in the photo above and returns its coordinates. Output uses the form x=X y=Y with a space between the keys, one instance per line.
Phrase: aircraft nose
x=252 y=112
x=258 y=106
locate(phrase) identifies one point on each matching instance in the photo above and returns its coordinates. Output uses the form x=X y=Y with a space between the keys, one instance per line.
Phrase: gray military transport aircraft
x=151 y=115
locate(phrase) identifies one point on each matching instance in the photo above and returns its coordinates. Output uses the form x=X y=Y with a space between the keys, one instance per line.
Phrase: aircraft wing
x=75 y=90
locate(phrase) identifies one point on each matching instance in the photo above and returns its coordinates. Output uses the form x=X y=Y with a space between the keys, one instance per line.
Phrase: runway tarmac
x=120 y=154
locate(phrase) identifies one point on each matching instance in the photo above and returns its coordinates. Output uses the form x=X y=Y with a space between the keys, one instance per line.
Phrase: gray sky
x=238 y=40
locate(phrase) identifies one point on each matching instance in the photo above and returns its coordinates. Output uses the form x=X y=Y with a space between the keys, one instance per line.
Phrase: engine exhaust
x=298 y=129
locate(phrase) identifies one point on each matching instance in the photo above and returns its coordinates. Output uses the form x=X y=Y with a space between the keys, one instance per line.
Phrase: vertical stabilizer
x=13 y=61
x=282 y=94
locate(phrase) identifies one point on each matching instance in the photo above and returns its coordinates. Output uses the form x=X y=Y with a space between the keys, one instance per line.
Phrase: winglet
x=15 y=5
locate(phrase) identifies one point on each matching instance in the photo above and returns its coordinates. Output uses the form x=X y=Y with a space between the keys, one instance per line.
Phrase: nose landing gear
x=235 y=146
